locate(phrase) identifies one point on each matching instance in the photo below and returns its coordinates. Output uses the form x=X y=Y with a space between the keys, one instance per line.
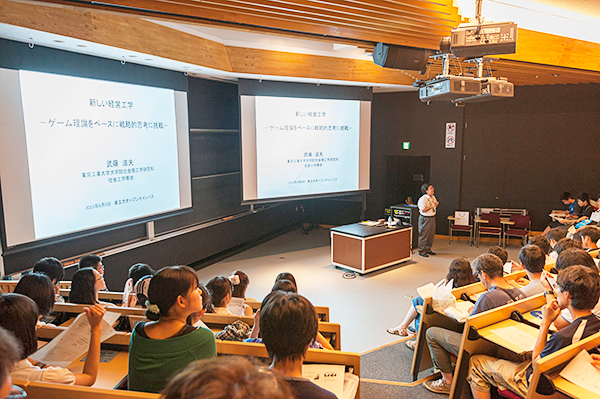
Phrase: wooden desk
x=365 y=249
x=487 y=334
x=110 y=375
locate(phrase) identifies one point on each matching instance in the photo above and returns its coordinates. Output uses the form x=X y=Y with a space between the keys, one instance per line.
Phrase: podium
x=365 y=249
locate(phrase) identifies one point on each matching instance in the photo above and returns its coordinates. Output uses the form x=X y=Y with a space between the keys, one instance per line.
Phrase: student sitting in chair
x=578 y=289
x=589 y=236
x=572 y=212
x=55 y=271
x=568 y=258
x=288 y=324
x=554 y=236
x=533 y=259
x=442 y=342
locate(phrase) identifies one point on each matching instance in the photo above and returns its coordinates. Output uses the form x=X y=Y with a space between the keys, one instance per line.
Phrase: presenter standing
x=427 y=209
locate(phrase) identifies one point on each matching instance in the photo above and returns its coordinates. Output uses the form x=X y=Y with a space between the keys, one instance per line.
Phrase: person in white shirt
x=427 y=209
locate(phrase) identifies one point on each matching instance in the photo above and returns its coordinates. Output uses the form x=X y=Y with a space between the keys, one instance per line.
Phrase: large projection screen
x=303 y=147
x=78 y=154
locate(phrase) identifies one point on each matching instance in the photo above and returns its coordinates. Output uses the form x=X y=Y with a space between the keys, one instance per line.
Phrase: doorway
x=404 y=177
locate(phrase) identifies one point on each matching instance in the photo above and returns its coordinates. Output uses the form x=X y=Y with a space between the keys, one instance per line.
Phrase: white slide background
x=306 y=146
x=92 y=163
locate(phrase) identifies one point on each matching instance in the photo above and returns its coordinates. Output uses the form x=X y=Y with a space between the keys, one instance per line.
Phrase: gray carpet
x=387 y=371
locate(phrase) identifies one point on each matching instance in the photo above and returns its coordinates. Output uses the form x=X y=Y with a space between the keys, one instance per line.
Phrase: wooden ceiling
x=540 y=58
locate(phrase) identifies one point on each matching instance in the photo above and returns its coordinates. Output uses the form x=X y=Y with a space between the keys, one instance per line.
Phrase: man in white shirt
x=427 y=209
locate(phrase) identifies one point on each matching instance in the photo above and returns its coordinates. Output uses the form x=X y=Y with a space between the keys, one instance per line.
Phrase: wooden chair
x=454 y=226
x=7 y=286
x=320 y=356
x=217 y=322
x=552 y=364
x=430 y=318
x=322 y=311
x=45 y=390
x=473 y=341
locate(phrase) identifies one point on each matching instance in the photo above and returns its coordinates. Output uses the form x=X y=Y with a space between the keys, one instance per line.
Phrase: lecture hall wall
x=512 y=153
x=214 y=147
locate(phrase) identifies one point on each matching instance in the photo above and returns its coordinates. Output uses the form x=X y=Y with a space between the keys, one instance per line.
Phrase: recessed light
x=132 y=56
x=58 y=41
x=149 y=59
x=81 y=45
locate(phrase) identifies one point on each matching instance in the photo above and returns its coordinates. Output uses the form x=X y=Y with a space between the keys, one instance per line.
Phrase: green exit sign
x=406 y=145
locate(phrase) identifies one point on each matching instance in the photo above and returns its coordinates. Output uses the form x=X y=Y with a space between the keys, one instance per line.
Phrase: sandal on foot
x=411 y=344
x=403 y=332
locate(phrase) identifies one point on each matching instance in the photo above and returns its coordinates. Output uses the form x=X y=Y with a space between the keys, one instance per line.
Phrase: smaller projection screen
x=80 y=153
x=303 y=147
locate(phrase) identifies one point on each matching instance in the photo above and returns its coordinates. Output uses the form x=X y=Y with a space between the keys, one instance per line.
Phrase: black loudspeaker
x=399 y=57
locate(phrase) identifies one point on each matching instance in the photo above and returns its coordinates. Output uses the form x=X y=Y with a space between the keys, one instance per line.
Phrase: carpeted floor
x=385 y=372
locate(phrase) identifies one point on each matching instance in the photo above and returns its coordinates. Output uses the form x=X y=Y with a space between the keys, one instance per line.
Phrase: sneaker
x=438 y=386
x=411 y=330
x=431 y=252
x=424 y=255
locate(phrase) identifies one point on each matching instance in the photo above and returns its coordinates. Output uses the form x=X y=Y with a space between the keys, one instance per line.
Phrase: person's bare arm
x=90 y=368
x=549 y=313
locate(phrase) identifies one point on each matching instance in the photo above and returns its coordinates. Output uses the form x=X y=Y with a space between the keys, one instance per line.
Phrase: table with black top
x=365 y=249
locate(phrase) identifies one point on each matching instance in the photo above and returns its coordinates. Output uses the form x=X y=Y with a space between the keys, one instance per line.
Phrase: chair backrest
x=7 y=286
x=521 y=221
x=43 y=390
x=492 y=218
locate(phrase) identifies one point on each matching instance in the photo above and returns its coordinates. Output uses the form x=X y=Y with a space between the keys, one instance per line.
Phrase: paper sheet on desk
x=327 y=376
x=426 y=290
x=70 y=344
x=517 y=337
x=581 y=372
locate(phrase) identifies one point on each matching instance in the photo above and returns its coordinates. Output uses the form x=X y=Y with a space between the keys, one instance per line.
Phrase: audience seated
x=554 y=236
x=583 y=200
x=489 y=269
x=10 y=349
x=141 y=290
x=136 y=272
x=52 y=268
x=287 y=276
x=220 y=288
x=167 y=344
x=589 y=236
x=566 y=243
x=229 y=377
x=93 y=261
x=236 y=305
x=459 y=272
x=195 y=318
x=578 y=289
x=567 y=258
x=19 y=315
x=288 y=324
x=572 y=212
x=38 y=287
x=503 y=255
x=542 y=242
x=533 y=260
x=284 y=285
x=84 y=291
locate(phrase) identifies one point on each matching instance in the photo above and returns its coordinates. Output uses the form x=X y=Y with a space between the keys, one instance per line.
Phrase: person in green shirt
x=164 y=346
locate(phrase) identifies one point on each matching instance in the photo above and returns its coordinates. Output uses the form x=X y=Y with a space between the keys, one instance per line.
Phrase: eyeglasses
x=476 y=274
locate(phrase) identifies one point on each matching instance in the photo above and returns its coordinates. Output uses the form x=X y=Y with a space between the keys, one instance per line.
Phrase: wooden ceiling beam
x=117 y=31
x=264 y=62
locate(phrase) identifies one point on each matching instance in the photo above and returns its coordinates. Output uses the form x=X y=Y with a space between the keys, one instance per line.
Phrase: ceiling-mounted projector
x=477 y=40
x=448 y=88
x=491 y=89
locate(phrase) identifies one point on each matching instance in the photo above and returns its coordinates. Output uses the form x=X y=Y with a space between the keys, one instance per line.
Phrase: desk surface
x=487 y=334
x=362 y=231
x=110 y=374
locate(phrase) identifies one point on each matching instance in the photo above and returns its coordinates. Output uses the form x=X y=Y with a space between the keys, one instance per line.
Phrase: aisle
x=364 y=306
